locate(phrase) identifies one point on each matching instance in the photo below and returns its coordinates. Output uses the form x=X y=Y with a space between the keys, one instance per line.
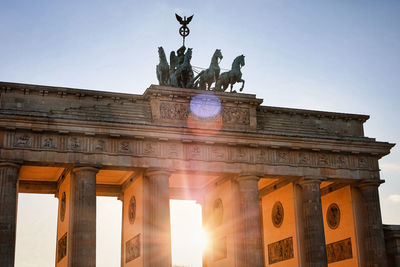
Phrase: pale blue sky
x=327 y=55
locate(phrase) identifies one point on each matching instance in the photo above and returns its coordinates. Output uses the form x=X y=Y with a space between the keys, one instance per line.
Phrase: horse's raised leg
x=242 y=81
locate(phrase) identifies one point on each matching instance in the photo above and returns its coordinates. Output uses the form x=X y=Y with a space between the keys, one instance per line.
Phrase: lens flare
x=201 y=240
x=205 y=114
x=205 y=106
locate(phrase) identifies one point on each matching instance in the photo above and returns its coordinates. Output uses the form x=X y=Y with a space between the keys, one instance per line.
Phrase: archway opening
x=108 y=231
x=36 y=230
x=187 y=235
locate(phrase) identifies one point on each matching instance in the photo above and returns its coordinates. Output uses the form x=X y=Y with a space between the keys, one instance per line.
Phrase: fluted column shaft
x=250 y=232
x=157 y=222
x=374 y=244
x=314 y=236
x=83 y=217
x=8 y=212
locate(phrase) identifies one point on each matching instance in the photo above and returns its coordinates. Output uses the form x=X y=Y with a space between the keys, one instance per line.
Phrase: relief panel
x=48 y=142
x=62 y=247
x=280 y=250
x=235 y=115
x=174 y=111
x=195 y=152
x=23 y=140
x=240 y=154
x=172 y=150
x=150 y=148
x=217 y=153
x=75 y=143
x=124 y=146
x=340 y=250
x=99 y=145
x=132 y=249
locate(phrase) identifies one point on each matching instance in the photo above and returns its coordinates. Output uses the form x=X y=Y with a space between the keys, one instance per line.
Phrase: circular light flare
x=205 y=114
x=205 y=106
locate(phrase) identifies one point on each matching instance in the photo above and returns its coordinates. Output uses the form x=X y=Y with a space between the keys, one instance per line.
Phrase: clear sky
x=326 y=55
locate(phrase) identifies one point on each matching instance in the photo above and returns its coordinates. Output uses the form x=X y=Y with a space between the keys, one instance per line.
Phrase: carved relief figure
x=132 y=210
x=333 y=216
x=23 y=141
x=75 y=143
x=48 y=142
x=100 y=145
x=63 y=206
x=277 y=214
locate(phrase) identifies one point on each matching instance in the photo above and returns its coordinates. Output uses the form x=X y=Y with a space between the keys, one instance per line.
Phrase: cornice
x=313 y=113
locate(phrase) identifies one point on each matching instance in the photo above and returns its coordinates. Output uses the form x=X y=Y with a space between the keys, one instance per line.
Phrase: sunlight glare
x=201 y=240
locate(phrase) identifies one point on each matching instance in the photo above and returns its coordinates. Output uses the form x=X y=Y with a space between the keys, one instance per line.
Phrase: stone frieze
x=187 y=151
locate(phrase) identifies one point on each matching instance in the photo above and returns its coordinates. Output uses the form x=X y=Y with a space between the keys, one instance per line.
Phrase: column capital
x=11 y=164
x=369 y=183
x=248 y=176
x=156 y=172
x=311 y=180
x=85 y=168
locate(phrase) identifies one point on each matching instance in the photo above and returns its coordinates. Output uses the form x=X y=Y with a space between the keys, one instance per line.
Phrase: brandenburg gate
x=278 y=186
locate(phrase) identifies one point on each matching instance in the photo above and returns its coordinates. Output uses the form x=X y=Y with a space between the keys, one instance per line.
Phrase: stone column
x=8 y=212
x=314 y=236
x=374 y=244
x=157 y=240
x=249 y=228
x=83 y=217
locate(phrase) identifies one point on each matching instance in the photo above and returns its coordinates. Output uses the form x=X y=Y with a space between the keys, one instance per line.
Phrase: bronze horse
x=231 y=77
x=162 y=68
x=210 y=75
